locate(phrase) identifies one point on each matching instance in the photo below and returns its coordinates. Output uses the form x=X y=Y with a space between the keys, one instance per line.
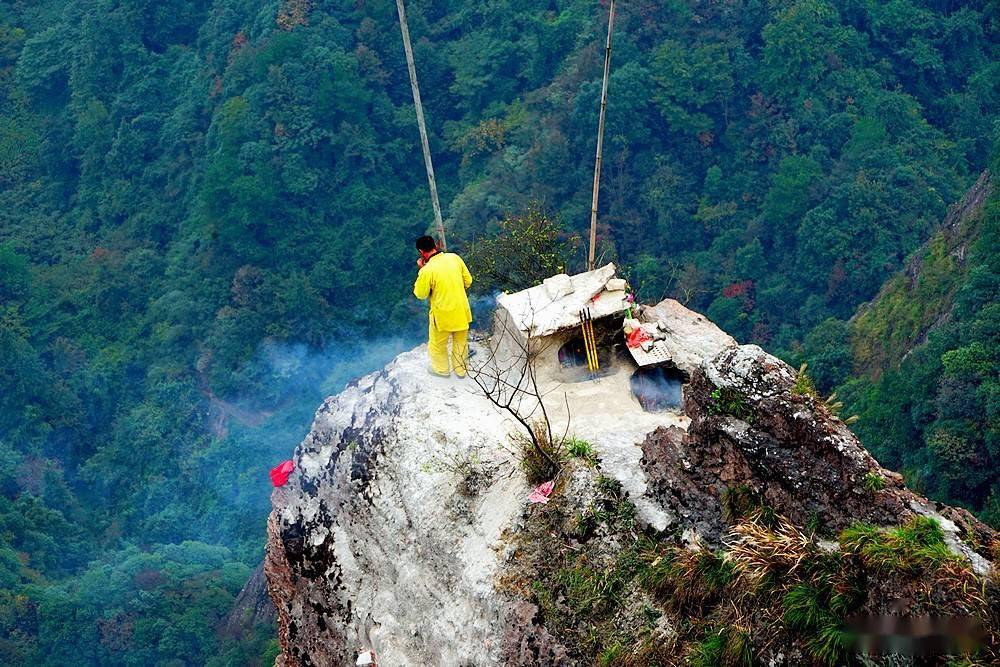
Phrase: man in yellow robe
x=444 y=278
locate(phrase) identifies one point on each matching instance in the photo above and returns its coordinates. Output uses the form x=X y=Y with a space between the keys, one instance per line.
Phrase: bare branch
x=508 y=378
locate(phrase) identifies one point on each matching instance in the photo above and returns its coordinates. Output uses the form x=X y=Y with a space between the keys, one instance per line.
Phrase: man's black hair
x=426 y=243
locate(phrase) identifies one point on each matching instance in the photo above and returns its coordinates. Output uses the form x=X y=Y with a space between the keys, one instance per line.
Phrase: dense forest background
x=206 y=211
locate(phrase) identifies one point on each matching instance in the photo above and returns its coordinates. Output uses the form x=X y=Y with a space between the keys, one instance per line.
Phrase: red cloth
x=280 y=473
x=542 y=492
x=637 y=337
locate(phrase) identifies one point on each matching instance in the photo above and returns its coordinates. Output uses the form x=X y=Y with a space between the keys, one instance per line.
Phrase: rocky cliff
x=747 y=526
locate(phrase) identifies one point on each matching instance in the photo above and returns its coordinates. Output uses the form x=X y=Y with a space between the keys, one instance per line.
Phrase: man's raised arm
x=422 y=287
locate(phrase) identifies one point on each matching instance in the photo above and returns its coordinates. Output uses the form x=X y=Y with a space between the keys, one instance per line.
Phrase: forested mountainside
x=201 y=203
x=927 y=352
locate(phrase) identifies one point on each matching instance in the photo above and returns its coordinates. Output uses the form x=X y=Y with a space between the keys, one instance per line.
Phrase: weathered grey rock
x=397 y=528
x=690 y=337
x=367 y=539
x=788 y=449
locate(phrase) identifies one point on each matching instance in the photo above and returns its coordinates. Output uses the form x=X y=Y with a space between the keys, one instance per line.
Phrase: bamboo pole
x=600 y=140
x=404 y=29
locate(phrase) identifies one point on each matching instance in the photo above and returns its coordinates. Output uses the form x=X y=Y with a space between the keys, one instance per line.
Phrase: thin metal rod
x=600 y=140
x=403 y=28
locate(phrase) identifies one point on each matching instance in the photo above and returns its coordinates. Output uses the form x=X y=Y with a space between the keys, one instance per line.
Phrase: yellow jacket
x=444 y=278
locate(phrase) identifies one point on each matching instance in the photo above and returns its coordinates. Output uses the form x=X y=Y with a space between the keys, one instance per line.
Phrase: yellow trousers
x=437 y=349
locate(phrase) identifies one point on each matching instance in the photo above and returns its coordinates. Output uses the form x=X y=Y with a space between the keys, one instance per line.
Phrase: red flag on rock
x=280 y=473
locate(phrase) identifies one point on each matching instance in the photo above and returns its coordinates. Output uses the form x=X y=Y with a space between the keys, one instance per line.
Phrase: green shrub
x=708 y=652
x=530 y=246
x=814 y=524
x=611 y=654
x=661 y=573
x=828 y=644
x=817 y=614
x=738 y=648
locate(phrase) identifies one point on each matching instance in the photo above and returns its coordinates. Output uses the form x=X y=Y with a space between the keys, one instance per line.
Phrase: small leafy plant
x=873 y=482
x=580 y=449
x=733 y=402
x=804 y=385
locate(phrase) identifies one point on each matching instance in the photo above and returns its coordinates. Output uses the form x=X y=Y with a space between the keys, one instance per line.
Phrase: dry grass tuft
x=757 y=550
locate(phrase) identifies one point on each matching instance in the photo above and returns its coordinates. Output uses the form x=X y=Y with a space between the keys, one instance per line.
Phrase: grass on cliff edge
x=541 y=458
x=618 y=596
